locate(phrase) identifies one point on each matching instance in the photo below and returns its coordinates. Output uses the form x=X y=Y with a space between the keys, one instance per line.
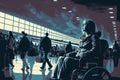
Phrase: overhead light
x=115 y=32
x=110 y=8
x=64 y=7
x=115 y=29
x=114 y=26
x=77 y=17
x=112 y=17
x=69 y=11
x=111 y=12
x=113 y=22
x=55 y=0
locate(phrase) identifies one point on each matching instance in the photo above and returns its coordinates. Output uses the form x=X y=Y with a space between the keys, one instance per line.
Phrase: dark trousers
x=60 y=63
x=46 y=60
x=116 y=60
x=68 y=66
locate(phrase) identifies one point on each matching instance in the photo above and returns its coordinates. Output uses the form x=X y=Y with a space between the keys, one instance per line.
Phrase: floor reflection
x=37 y=73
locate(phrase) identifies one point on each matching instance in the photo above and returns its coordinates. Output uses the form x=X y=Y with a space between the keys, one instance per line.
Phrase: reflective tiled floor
x=37 y=73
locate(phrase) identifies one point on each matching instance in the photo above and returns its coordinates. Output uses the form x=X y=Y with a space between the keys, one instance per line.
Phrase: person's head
x=69 y=42
x=115 y=42
x=10 y=33
x=88 y=26
x=46 y=34
x=23 y=33
x=99 y=34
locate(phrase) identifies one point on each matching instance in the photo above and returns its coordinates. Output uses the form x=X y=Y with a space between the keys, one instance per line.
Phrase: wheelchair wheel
x=97 y=73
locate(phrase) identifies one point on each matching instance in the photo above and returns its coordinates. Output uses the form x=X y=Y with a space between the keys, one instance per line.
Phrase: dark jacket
x=90 y=47
x=45 y=44
x=33 y=52
x=24 y=44
x=68 y=48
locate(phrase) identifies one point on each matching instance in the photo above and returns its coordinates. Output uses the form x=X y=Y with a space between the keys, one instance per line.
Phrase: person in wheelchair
x=88 y=49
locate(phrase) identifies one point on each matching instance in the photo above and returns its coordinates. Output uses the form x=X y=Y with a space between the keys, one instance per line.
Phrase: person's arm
x=94 y=49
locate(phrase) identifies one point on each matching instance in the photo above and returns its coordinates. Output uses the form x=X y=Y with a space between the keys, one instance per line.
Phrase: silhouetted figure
x=89 y=48
x=32 y=54
x=2 y=55
x=104 y=48
x=10 y=48
x=23 y=47
x=116 y=53
x=45 y=45
x=68 y=47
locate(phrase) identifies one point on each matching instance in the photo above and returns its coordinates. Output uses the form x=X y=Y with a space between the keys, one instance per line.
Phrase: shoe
x=22 y=69
x=41 y=68
x=27 y=67
x=50 y=67
x=12 y=67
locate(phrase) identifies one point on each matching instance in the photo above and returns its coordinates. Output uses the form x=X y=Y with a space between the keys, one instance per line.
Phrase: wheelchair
x=91 y=70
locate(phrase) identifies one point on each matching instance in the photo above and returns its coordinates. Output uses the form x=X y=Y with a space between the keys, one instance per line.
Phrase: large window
x=16 y=24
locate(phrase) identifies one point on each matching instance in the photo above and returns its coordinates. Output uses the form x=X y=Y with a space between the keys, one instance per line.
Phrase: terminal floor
x=39 y=74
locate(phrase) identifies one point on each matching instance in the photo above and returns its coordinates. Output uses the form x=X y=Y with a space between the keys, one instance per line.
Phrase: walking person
x=10 y=48
x=23 y=47
x=32 y=54
x=69 y=48
x=2 y=55
x=116 y=53
x=45 y=45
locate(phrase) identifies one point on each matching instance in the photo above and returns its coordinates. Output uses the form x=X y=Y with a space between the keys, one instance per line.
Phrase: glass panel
x=27 y=31
x=22 y=21
x=31 y=28
x=38 y=34
x=34 y=33
x=1 y=26
x=1 y=19
x=8 y=27
x=16 y=19
x=31 y=32
x=20 y=30
x=8 y=21
x=42 y=35
x=9 y=16
x=26 y=27
x=15 y=29
x=2 y=14
x=38 y=26
x=35 y=25
x=35 y=29
x=16 y=23
x=21 y=25
x=27 y=22
x=31 y=24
